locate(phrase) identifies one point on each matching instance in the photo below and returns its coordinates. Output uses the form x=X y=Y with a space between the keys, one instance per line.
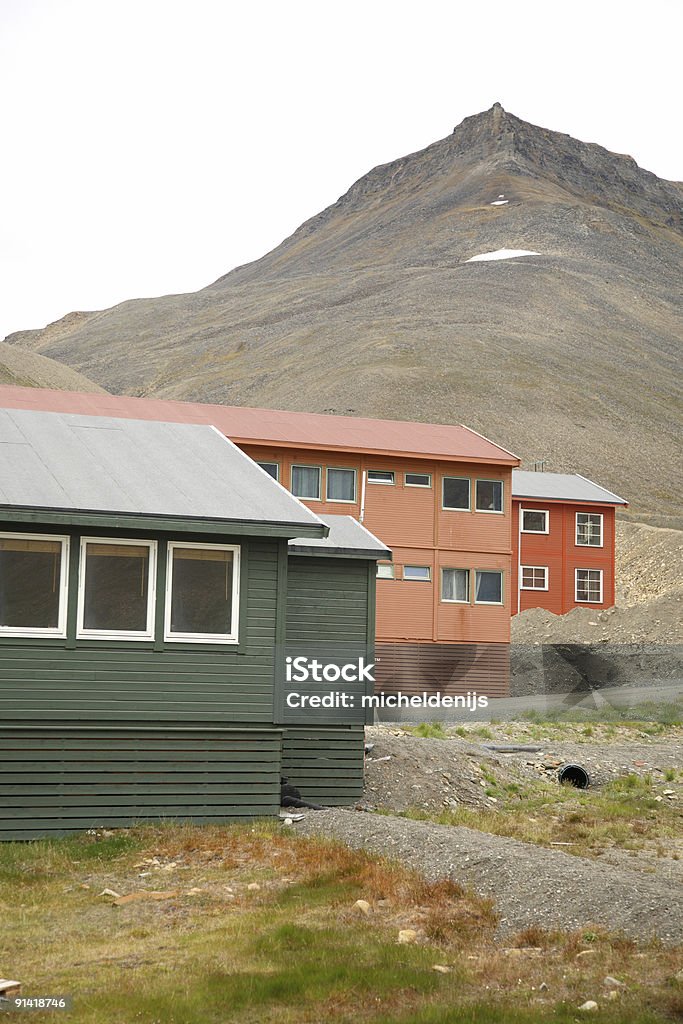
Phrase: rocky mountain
x=375 y=306
x=24 y=368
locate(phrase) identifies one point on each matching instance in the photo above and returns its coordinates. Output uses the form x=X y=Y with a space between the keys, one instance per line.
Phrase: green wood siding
x=326 y=764
x=60 y=779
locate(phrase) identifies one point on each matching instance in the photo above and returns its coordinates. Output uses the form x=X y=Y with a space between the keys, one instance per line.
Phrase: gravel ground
x=530 y=885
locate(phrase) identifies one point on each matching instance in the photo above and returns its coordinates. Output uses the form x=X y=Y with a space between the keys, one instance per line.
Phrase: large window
x=589 y=586
x=488 y=587
x=455 y=585
x=456 y=493
x=202 y=593
x=588 y=529
x=534 y=577
x=341 y=485
x=489 y=496
x=116 y=589
x=306 y=482
x=534 y=521
x=33 y=580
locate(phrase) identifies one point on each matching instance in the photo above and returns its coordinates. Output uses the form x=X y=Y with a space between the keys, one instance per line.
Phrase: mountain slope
x=23 y=368
x=372 y=307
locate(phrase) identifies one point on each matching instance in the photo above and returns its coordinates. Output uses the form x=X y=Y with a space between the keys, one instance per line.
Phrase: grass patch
x=428 y=730
x=658 y=713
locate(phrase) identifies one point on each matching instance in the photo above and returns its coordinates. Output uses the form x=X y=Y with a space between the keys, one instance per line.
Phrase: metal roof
x=347 y=537
x=561 y=487
x=98 y=464
x=277 y=427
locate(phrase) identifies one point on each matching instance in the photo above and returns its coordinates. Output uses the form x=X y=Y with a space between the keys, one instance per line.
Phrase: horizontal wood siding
x=110 y=680
x=326 y=765
x=67 y=778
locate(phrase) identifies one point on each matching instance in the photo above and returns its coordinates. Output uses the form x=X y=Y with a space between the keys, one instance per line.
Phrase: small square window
x=589 y=586
x=489 y=496
x=418 y=479
x=456 y=493
x=455 y=585
x=421 y=573
x=202 y=593
x=271 y=468
x=488 y=587
x=306 y=482
x=33 y=581
x=385 y=571
x=381 y=476
x=588 y=529
x=534 y=577
x=341 y=485
x=116 y=592
x=534 y=521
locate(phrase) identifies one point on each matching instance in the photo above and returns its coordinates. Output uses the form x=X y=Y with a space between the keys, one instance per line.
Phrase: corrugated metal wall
x=443 y=668
x=60 y=779
x=325 y=764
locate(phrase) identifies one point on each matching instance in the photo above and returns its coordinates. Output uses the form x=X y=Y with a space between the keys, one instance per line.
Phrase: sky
x=150 y=146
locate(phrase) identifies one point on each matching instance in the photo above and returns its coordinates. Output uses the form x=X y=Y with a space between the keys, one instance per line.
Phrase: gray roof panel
x=346 y=537
x=561 y=486
x=72 y=463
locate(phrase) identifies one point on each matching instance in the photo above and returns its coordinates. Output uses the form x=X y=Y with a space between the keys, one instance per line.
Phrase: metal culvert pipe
x=575 y=775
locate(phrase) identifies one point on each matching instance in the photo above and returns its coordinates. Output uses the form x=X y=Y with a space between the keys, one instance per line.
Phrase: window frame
x=417 y=579
x=453 y=508
x=44 y=632
x=381 y=483
x=118 y=634
x=343 y=469
x=231 y=639
x=269 y=462
x=454 y=600
x=542 y=511
x=534 y=568
x=425 y=487
x=490 y=511
x=580 y=600
x=492 y=604
x=304 y=465
x=601 y=517
x=386 y=565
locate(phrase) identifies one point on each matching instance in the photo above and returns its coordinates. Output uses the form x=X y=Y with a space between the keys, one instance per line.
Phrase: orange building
x=447 y=502
x=563 y=526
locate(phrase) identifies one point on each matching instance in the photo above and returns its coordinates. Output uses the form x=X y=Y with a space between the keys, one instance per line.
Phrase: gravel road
x=530 y=885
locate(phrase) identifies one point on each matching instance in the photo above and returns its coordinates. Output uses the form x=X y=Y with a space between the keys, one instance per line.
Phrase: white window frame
x=304 y=465
x=118 y=634
x=490 y=511
x=452 y=508
x=36 y=632
x=382 y=483
x=269 y=462
x=342 y=501
x=495 y=604
x=453 y=600
x=423 y=486
x=543 y=511
x=534 y=568
x=580 y=600
x=417 y=579
x=598 y=515
x=389 y=568
x=203 y=638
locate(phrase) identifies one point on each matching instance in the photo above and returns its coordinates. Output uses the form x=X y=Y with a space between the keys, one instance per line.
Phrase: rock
x=287 y=821
x=253 y=887
x=441 y=968
x=543 y=987
x=590 y=1006
x=610 y=982
x=110 y=892
x=407 y=935
x=194 y=891
x=363 y=906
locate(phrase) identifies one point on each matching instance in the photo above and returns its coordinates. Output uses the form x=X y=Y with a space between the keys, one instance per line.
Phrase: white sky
x=149 y=146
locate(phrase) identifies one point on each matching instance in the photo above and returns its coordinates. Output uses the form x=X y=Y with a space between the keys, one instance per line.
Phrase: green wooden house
x=154 y=582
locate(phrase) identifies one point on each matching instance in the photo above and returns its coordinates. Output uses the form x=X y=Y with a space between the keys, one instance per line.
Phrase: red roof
x=275 y=427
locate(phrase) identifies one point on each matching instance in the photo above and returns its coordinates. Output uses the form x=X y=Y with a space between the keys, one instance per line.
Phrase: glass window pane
x=30 y=574
x=116 y=587
x=201 y=591
x=456 y=492
x=588 y=529
x=417 y=572
x=489 y=587
x=385 y=571
x=306 y=481
x=489 y=496
x=534 y=522
x=271 y=468
x=418 y=480
x=455 y=585
x=341 y=485
x=380 y=476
